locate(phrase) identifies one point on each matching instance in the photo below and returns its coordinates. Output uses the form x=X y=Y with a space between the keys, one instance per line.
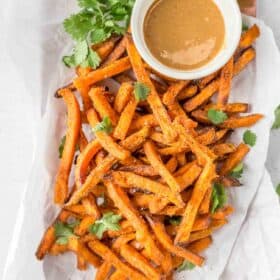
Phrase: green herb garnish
x=175 y=220
x=219 y=197
x=276 y=123
x=104 y=126
x=61 y=146
x=141 y=91
x=245 y=27
x=249 y=138
x=278 y=189
x=186 y=265
x=237 y=171
x=216 y=116
x=64 y=231
x=109 y=221
x=82 y=55
x=97 y=21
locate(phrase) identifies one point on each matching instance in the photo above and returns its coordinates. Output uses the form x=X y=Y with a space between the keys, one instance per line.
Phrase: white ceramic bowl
x=233 y=28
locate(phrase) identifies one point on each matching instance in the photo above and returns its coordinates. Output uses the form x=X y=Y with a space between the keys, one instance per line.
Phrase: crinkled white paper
x=41 y=43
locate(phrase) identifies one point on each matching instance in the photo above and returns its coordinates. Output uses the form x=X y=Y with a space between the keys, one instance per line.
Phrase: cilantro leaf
x=216 y=116
x=109 y=221
x=276 y=123
x=104 y=126
x=93 y=60
x=237 y=171
x=69 y=61
x=79 y=25
x=63 y=232
x=61 y=146
x=245 y=27
x=81 y=52
x=175 y=220
x=83 y=56
x=141 y=91
x=219 y=197
x=98 y=35
x=278 y=189
x=186 y=265
x=249 y=138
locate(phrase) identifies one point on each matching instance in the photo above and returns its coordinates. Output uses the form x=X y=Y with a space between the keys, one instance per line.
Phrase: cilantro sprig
x=216 y=116
x=237 y=171
x=186 y=265
x=175 y=220
x=104 y=126
x=96 y=22
x=249 y=138
x=278 y=189
x=63 y=231
x=219 y=197
x=276 y=123
x=141 y=91
x=109 y=221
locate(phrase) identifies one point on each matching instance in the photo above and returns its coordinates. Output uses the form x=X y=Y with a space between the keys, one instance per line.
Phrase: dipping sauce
x=184 y=34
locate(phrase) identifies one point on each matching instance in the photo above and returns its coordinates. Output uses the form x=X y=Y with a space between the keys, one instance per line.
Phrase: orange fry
x=202 y=97
x=123 y=96
x=125 y=120
x=234 y=159
x=72 y=136
x=84 y=159
x=249 y=36
x=46 y=243
x=100 y=74
x=225 y=83
x=103 y=271
x=201 y=187
x=101 y=104
x=236 y=122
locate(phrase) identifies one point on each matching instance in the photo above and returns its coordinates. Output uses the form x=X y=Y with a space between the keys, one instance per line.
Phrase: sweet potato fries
x=150 y=184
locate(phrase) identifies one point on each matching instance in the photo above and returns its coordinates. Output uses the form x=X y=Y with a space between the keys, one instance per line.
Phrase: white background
x=17 y=127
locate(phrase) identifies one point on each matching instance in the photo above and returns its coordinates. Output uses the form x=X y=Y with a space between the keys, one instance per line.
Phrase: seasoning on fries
x=150 y=186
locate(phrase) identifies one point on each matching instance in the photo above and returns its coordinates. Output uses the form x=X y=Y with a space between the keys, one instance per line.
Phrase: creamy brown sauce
x=184 y=34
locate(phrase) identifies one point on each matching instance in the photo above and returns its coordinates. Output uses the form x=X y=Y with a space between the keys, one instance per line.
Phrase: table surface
x=16 y=140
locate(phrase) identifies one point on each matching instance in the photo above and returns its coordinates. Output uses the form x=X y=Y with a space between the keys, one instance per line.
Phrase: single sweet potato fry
x=202 y=97
x=46 y=243
x=246 y=121
x=225 y=83
x=234 y=159
x=123 y=96
x=101 y=105
x=72 y=137
x=100 y=74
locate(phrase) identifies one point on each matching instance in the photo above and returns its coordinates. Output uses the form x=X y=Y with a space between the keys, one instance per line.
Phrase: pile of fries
x=142 y=205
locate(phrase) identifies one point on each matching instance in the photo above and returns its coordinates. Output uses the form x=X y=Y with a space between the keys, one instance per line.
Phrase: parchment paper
x=41 y=44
